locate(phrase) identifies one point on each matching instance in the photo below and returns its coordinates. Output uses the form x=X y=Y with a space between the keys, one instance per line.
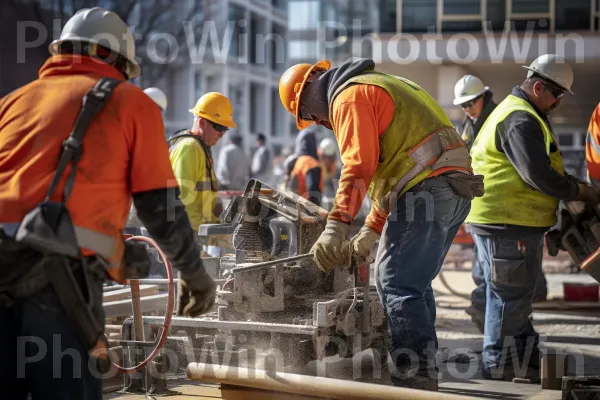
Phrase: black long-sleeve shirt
x=521 y=138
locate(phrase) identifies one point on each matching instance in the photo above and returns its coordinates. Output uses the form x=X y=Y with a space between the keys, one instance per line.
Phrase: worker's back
x=123 y=149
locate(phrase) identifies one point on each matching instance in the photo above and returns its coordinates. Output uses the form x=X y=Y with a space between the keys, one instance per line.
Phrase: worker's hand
x=588 y=194
x=196 y=292
x=330 y=250
x=363 y=242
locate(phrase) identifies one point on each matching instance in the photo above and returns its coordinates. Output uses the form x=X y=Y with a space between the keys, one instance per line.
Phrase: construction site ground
x=562 y=326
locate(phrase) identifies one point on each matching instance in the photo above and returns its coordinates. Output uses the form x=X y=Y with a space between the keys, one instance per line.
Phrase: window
x=419 y=15
x=301 y=49
x=573 y=14
x=496 y=13
x=565 y=140
x=462 y=7
x=235 y=94
x=387 y=16
x=303 y=15
x=236 y=48
x=257 y=107
x=278 y=48
x=280 y=5
x=198 y=87
x=461 y=26
x=257 y=55
x=530 y=6
x=278 y=116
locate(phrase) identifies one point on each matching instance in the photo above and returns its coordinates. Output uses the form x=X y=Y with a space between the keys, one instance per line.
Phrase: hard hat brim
x=537 y=72
x=229 y=124
x=463 y=99
x=133 y=68
x=301 y=123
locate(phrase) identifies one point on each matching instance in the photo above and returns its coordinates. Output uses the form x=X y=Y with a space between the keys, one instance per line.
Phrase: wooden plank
x=122 y=294
x=123 y=308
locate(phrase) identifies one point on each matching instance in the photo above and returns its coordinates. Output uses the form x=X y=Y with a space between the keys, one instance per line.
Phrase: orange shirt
x=592 y=147
x=360 y=115
x=124 y=148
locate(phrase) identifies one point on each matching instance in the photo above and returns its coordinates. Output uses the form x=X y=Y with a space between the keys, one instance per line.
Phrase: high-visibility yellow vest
x=508 y=199
x=416 y=116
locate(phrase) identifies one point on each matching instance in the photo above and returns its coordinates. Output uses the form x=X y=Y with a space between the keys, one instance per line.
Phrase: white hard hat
x=553 y=68
x=328 y=147
x=469 y=87
x=159 y=97
x=102 y=27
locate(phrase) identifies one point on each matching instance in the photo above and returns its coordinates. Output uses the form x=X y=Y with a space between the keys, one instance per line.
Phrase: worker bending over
x=35 y=120
x=391 y=135
x=517 y=153
x=305 y=176
x=192 y=160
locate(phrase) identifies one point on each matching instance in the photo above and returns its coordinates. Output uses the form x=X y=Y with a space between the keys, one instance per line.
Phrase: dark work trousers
x=41 y=354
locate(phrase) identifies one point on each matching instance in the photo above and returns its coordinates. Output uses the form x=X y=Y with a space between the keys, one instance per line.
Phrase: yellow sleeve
x=189 y=167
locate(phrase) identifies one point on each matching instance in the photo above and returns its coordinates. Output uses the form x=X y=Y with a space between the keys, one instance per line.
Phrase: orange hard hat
x=291 y=85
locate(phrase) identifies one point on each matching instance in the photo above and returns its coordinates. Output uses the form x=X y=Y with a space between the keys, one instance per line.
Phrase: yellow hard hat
x=215 y=107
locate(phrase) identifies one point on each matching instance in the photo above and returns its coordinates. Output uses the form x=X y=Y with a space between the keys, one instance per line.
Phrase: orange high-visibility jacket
x=592 y=148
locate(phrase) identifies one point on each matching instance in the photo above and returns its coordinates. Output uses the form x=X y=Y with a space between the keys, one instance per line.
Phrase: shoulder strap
x=93 y=101
x=205 y=148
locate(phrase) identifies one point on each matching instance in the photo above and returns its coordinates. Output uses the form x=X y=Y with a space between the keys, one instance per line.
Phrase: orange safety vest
x=301 y=167
x=592 y=148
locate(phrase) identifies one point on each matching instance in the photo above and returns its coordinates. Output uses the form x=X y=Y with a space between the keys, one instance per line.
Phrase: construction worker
x=517 y=153
x=192 y=160
x=35 y=120
x=233 y=166
x=159 y=97
x=134 y=225
x=592 y=148
x=262 y=162
x=380 y=123
x=476 y=100
x=331 y=173
x=305 y=176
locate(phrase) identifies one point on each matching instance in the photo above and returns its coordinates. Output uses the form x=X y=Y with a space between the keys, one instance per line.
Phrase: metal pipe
x=252 y=326
x=245 y=267
x=308 y=385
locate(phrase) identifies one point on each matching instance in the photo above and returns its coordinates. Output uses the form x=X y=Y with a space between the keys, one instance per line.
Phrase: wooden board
x=123 y=294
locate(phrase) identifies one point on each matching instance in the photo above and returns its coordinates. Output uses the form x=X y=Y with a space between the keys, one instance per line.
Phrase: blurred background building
x=241 y=48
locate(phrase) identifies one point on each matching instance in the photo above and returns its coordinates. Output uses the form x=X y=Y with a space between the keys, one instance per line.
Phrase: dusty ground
x=573 y=331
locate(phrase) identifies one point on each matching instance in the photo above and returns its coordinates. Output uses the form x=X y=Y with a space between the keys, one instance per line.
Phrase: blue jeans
x=478 y=296
x=413 y=245
x=41 y=353
x=511 y=266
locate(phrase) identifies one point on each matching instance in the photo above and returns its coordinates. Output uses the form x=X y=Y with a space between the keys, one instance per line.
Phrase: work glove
x=588 y=194
x=331 y=248
x=196 y=293
x=363 y=242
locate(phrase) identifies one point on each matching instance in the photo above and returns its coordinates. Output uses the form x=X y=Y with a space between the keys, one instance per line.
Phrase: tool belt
x=441 y=149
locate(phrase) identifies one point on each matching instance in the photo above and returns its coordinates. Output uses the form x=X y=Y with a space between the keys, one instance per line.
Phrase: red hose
x=170 y=306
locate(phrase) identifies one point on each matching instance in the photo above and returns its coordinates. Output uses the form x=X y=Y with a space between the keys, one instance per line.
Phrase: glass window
x=236 y=48
x=461 y=26
x=277 y=115
x=280 y=4
x=530 y=6
x=419 y=15
x=573 y=14
x=303 y=15
x=542 y=25
x=298 y=49
x=278 y=48
x=463 y=7
x=496 y=12
x=198 y=89
x=387 y=15
x=565 y=140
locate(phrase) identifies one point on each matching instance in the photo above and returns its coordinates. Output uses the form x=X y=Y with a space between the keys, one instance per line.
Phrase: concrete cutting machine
x=579 y=235
x=274 y=300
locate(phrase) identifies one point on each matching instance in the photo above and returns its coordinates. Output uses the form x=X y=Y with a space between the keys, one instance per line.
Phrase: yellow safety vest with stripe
x=192 y=166
x=407 y=153
x=508 y=199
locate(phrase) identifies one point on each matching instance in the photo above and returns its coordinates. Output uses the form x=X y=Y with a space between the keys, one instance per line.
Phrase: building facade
x=239 y=52
x=436 y=42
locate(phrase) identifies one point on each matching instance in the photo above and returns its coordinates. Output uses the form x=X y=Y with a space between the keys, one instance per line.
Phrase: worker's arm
x=189 y=165
x=313 y=185
x=522 y=140
x=154 y=189
x=360 y=115
x=592 y=149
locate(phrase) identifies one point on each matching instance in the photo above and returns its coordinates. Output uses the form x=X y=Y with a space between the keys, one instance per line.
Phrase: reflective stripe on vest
x=101 y=244
x=417 y=119
x=508 y=199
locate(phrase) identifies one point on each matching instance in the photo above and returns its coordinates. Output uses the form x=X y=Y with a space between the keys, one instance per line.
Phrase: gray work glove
x=363 y=242
x=331 y=248
x=588 y=194
x=196 y=293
